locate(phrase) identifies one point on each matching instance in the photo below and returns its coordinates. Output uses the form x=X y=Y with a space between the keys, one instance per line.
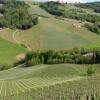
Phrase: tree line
x=95 y=6
x=74 y=56
x=16 y=15
x=59 y=9
x=93 y=28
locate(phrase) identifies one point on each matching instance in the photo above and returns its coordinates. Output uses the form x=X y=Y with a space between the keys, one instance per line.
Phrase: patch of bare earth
x=20 y=57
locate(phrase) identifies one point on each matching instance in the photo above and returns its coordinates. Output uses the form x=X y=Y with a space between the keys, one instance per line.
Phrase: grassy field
x=17 y=82
x=7 y=34
x=36 y=10
x=9 y=51
x=52 y=33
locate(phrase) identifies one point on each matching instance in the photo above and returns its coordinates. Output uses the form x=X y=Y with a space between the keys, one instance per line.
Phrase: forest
x=16 y=15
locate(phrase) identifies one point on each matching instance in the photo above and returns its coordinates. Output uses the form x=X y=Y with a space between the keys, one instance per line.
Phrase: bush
x=90 y=71
x=5 y=67
x=93 y=28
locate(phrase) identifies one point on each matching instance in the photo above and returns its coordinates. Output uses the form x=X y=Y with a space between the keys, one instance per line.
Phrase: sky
x=72 y=1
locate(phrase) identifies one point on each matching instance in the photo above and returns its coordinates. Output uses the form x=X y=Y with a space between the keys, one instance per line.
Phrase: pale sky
x=70 y=0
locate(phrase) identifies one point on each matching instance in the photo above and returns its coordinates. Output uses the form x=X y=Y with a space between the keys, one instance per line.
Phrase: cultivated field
x=48 y=81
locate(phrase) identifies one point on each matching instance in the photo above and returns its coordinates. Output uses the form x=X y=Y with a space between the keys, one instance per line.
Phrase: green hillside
x=17 y=81
x=53 y=33
x=9 y=51
x=50 y=33
x=95 y=6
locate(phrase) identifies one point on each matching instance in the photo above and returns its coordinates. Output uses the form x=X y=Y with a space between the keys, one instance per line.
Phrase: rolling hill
x=56 y=81
x=52 y=33
x=16 y=82
x=95 y=6
x=9 y=51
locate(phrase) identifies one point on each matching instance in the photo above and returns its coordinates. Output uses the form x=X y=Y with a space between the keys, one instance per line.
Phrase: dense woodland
x=15 y=15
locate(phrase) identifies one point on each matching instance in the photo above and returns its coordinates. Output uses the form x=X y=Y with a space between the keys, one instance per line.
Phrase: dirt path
x=14 y=33
x=17 y=41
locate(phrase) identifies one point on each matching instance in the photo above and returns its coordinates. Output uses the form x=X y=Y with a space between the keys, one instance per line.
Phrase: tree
x=28 y=57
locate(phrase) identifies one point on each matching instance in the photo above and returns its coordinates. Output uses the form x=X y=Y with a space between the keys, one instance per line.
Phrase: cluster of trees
x=52 y=7
x=93 y=28
x=74 y=56
x=16 y=15
x=59 y=9
x=94 y=6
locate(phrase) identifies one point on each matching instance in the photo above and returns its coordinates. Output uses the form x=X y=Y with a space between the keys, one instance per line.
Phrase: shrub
x=5 y=66
x=93 y=28
x=90 y=71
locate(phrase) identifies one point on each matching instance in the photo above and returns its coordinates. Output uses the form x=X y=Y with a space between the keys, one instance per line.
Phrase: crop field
x=65 y=91
x=49 y=82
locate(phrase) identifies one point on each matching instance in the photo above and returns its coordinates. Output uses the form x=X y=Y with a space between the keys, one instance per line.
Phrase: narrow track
x=17 y=41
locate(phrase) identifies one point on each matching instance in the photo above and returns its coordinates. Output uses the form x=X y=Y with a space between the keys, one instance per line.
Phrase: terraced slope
x=18 y=81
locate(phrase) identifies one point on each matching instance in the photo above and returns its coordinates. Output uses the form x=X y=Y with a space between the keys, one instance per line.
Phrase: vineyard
x=85 y=89
x=50 y=82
